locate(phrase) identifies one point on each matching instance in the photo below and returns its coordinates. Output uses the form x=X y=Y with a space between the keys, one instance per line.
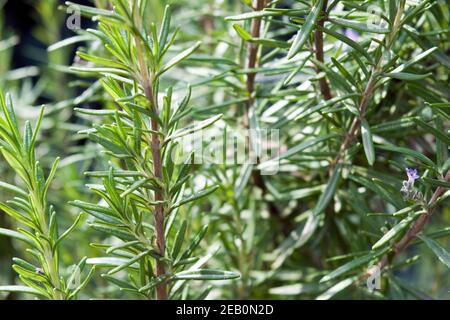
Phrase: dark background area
x=21 y=18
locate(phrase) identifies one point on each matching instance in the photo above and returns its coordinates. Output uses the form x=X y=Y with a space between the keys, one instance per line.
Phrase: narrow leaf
x=206 y=274
x=367 y=142
x=438 y=250
x=305 y=31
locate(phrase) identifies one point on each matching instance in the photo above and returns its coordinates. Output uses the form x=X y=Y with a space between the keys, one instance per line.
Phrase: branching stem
x=369 y=90
x=318 y=44
x=155 y=145
x=252 y=62
x=416 y=227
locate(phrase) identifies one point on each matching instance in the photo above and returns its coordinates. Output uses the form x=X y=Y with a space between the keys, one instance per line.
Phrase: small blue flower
x=352 y=34
x=408 y=189
x=412 y=175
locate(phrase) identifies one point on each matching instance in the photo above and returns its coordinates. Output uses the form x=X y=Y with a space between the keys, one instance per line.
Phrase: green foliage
x=358 y=92
x=37 y=219
x=141 y=138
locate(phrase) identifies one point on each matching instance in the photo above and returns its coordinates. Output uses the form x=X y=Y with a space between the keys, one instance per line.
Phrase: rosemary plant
x=37 y=219
x=356 y=201
x=144 y=181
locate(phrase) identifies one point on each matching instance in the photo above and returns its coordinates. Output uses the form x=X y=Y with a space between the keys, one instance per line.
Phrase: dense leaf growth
x=354 y=191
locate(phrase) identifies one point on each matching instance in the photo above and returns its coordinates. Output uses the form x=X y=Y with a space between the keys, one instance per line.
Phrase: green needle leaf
x=367 y=142
x=206 y=274
x=438 y=250
x=305 y=31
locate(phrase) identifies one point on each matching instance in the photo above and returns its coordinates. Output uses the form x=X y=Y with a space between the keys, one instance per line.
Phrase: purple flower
x=412 y=175
x=352 y=34
x=408 y=190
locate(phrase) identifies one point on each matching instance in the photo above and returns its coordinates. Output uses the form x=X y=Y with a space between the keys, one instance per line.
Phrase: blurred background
x=35 y=72
x=30 y=73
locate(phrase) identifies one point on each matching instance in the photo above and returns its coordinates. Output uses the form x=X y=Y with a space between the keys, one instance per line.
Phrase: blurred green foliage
x=359 y=91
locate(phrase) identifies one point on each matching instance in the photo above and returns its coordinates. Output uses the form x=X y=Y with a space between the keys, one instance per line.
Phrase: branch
x=155 y=145
x=253 y=48
x=252 y=62
x=356 y=124
x=370 y=88
x=318 y=44
x=161 y=290
x=416 y=227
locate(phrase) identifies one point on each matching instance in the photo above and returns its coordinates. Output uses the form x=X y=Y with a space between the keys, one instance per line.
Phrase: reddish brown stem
x=161 y=289
x=318 y=44
x=416 y=227
x=155 y=145
x=356 y=124
x=252 y=62
x=368 y=92
x=253 y=48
